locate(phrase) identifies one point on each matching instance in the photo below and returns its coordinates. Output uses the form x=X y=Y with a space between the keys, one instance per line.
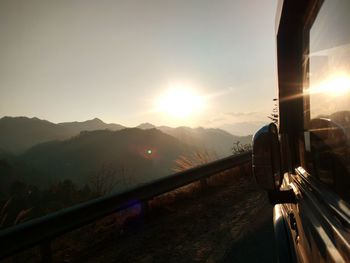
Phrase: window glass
x=329 y=93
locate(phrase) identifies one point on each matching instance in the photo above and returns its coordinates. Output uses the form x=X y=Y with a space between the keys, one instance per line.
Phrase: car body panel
x=321 y=224
x=285 y=244
x=318 y=223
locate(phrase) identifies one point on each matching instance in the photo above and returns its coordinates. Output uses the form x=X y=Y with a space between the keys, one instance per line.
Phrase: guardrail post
x=242 y=170
x=144 y=207
x=204 y=183
x=46 y=252
x=14 y=259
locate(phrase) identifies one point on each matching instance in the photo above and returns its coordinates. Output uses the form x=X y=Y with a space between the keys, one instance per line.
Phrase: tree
x=274 y=114
x=104 y=180
x=240 y=148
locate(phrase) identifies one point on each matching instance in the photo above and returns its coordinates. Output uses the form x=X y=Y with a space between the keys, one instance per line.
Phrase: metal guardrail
x=44 y=229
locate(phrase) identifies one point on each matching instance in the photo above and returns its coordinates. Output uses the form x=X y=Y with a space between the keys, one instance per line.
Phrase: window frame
x=292 y=45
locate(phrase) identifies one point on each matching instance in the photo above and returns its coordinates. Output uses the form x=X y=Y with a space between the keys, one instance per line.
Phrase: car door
x=320 y=220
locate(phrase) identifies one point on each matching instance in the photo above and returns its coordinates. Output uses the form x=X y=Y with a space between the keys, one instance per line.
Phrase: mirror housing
x=267 y=164
x=267 y=158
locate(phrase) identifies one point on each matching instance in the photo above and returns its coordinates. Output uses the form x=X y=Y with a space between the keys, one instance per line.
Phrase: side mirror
x=267 y=164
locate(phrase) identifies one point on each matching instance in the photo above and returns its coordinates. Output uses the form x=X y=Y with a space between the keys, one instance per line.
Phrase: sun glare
x=180 y=102
x=335 y=86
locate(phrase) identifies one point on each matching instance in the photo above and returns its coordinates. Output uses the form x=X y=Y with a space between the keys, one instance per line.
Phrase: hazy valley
x=43 y=153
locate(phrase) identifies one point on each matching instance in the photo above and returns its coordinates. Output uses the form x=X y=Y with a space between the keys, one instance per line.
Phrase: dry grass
x=197 y=158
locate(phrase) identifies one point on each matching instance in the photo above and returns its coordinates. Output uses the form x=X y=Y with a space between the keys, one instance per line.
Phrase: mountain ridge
x=76 y=127
x=18 y=134
x=141 y=154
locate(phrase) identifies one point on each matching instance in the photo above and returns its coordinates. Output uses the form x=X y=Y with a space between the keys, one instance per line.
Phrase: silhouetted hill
x=89 y=125
x=216 y=140
x=242 y=128
x=138 y=155
x=146 y=126
x=20 y=133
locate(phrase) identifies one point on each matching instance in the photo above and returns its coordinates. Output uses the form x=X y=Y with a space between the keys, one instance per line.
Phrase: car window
x=328 y=128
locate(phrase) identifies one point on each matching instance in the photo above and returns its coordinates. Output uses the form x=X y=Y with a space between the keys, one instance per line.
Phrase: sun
x=180 y=102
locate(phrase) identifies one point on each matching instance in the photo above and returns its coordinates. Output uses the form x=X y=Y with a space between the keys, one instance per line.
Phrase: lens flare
x=334 y=86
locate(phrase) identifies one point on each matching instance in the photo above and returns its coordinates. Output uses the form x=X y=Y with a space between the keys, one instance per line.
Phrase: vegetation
x=274 y=114
x=194 y=159
x=107 y=178
x=26 y=201
x=238 y=147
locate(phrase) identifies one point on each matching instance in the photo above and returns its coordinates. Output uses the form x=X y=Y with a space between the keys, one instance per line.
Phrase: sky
x=73 y=60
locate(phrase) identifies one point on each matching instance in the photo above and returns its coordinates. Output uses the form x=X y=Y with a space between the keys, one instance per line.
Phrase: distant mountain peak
x=146 y=126
x=97 y=120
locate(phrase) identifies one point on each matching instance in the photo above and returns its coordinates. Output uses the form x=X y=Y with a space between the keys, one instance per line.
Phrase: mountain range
x=131 y=152
x=42 y=153
x=18 y=134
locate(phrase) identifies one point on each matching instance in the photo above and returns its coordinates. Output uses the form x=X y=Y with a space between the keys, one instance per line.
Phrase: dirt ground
x=225 y=223
x=228 y=221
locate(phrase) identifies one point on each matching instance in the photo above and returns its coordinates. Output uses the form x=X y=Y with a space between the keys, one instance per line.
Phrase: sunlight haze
x=77 y=60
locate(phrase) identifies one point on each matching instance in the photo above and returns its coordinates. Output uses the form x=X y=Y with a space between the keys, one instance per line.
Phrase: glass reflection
x=330 y=59
x=329 y=93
